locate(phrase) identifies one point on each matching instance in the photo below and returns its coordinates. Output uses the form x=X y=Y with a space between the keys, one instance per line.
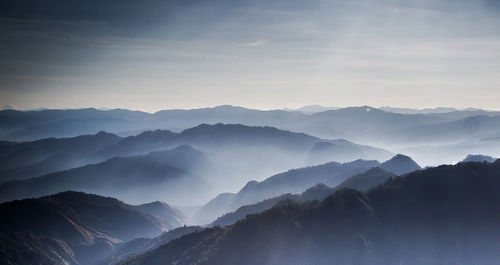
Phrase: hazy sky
x=154 y=54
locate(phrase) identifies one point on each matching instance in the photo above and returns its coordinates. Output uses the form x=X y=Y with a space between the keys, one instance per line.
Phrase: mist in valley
x=249 y=132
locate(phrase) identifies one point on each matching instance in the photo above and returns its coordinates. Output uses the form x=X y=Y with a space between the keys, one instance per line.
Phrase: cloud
x=258 y=43
x=210 y=51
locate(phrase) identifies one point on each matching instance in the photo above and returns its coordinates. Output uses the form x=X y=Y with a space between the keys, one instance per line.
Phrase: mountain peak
x=478 y=158
x=156 y=133
x=400 y=164
x=106 y=134
x=401 y=157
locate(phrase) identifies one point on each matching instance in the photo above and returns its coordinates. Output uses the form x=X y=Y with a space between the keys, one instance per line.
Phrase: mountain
x=173 y=217
x=214 y=208
x=69 y=228
x=30 y=125
x=298 y=180
x=419 y=111
x=478 y=158
x=343 y=151
x=462 y=114
x=232 y=146
x=367 y=124
x=244 y=211
x=236 y=154
x=142 y=245
x=230 y=136
x=363 y=181
x=292 y=181
x=33 y=125
x=52 y=164
x=271 y=150
x=137 y=178
x=450 y=131
x=443 y=153
x=227 y=114
x=309 y=109
x=400 y=164
x=68 y=128
x=443 y=215
x=26 y=153
x=144 y=142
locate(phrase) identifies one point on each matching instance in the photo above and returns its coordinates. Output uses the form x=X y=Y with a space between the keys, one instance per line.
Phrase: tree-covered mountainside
x=298 y=180
x=443 y=215
x=363 y=181
x=72 y=228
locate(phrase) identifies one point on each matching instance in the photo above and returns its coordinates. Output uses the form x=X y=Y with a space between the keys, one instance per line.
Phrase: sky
x=152 y=54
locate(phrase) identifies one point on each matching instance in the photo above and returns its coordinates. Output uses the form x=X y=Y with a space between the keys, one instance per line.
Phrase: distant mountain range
x=75 y=228
x=452 y=131
x=430 y=136
x=443 y=215
x=310 y=109
x=135 y=177
x=221 y=155
x=353 y=123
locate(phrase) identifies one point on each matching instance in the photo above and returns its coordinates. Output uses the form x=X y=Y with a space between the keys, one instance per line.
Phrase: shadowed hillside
x=363 y=181
x=70 y=227
x=298 y=180
x=443 y=215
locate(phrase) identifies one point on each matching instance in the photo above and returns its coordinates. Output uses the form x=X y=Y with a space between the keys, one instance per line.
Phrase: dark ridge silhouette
x=142 y=245
x=367 y=180
x=297 y=180
x=69 y=228
x=160 y=170
x=244 y=211
x=226 y=134
x=364 y=181
x=443 y=215
x=292 y=181
x=478 y=158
